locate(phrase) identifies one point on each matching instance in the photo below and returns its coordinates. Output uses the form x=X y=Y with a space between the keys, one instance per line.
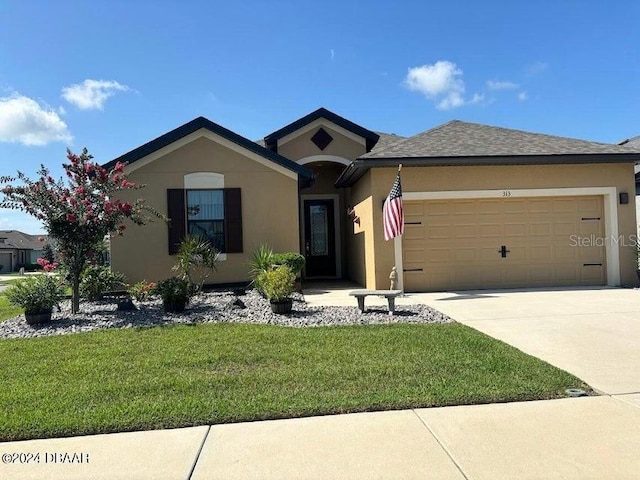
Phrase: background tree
x=48 y=254
x=77 y=214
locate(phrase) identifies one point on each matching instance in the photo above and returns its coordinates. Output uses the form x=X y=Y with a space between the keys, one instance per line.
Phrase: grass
x=7 y=310
x=177 y=376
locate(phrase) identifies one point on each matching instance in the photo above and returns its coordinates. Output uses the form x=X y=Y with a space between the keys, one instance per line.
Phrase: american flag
x=392 y=213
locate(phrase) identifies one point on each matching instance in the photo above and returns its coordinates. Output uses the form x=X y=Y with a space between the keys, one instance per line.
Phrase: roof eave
x=356 y=169
x=200 y=123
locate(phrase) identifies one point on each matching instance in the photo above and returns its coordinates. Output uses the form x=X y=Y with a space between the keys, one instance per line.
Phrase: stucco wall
x=302 y=146
x=378 y=182
x=269 y=211
x=361 y=258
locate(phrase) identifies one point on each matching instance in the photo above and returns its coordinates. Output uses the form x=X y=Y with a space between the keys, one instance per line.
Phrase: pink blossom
x=121 y=227
x=41 y=239
x=42 y=261
x=88 y=167
x=127 y=184
x=80 y=190
x=119 y=167
x=71 y=217
x=126 y=208
x=108 y=206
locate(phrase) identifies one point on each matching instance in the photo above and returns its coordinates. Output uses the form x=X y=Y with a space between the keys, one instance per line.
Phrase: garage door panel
x=514 y=206
x=439 y=231
x=457 y=246
x=540 y=229
x=414 y=232
x=515 y=230
x=414 y=209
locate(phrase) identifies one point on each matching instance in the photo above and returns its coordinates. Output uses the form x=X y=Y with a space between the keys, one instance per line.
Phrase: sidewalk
x=581 y=438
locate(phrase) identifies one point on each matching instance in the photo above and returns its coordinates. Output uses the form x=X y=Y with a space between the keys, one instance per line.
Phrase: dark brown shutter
x=176 y=211
x=232 y=220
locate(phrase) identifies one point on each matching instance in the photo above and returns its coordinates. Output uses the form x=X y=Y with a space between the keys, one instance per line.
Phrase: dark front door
x=319 y=238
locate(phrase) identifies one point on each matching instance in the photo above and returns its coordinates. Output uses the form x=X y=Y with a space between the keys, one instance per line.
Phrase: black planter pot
x=38 y=318
x=175 y=305
x=281 y=306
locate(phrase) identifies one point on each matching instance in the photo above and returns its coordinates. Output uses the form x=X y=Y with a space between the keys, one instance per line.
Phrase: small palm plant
x=195 y=260
x=262 y=260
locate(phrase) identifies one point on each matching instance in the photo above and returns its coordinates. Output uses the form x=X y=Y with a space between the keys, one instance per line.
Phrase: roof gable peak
x=371 y=138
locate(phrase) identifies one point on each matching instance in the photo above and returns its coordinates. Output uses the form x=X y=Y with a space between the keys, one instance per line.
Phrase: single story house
x=485 y=207
x=18 y=248
x=635 y=143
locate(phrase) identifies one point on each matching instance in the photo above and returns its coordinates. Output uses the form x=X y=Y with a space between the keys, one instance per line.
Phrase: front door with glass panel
x=319 y=238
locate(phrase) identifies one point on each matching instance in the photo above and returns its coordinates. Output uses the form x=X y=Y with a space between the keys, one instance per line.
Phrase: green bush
x=175 y=293
x=96 y=280
x=28 y=267
x=36 y=294
x=293 y=260
x=277 y=284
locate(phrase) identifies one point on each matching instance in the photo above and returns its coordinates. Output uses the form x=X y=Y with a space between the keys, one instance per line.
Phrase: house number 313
x=506 y=193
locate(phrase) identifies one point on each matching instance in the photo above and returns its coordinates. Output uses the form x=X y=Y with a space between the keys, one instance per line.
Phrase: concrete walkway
x=582 y=438
x=592 y=333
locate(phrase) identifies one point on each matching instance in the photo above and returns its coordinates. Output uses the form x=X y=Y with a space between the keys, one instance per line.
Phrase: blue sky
x=112 y=75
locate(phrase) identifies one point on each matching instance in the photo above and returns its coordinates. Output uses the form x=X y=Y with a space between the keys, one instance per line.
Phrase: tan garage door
x=548 y=241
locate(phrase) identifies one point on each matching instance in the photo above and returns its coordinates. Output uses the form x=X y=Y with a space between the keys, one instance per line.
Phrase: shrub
x=277 y=284
x=28 y=267
x=141 y=290
x=175 y=293
x=293 y=260
x=96 y=280
x=36 y=294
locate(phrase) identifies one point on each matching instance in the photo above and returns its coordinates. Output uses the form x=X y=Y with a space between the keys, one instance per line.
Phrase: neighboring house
x=18 y=249
x=486 y=207
x=635 y=143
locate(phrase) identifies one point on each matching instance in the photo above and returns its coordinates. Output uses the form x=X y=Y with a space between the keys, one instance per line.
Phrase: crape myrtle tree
x=78 y=213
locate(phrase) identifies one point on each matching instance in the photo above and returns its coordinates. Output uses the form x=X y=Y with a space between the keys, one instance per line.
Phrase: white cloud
x=333 y=54
x=501 y=85
x=477 y=98
x=522 y=96
x=441 y=82
x=91 y=94
x=536 y=68
x=24 y=120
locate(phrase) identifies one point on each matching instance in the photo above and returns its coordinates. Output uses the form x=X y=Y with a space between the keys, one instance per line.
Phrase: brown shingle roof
x=16 y=239
x=464 y=139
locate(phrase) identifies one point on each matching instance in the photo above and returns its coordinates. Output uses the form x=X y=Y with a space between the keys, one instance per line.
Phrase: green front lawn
x=176 y=376
x=7 y=310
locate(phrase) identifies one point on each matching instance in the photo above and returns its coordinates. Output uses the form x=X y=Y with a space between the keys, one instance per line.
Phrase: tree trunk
x=75 y=295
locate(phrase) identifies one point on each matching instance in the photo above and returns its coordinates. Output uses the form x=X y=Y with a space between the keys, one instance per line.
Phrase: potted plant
x=174 y=292
x=278 y=285
x=37 y=295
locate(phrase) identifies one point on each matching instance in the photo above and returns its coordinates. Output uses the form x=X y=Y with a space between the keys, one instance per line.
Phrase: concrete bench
x=389 y=294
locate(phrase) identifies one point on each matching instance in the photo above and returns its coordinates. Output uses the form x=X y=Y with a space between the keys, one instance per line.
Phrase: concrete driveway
x=593 y=333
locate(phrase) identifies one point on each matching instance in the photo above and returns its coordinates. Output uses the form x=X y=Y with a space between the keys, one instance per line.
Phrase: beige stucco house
x=485 y=207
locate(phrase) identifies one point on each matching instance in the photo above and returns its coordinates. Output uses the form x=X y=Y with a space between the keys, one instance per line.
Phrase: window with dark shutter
x=176 y=211
x=214 y=214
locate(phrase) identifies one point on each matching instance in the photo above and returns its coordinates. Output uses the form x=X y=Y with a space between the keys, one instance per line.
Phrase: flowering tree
x=77 y=214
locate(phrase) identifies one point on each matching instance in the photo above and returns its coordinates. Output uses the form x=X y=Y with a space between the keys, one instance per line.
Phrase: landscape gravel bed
x=213 y=307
